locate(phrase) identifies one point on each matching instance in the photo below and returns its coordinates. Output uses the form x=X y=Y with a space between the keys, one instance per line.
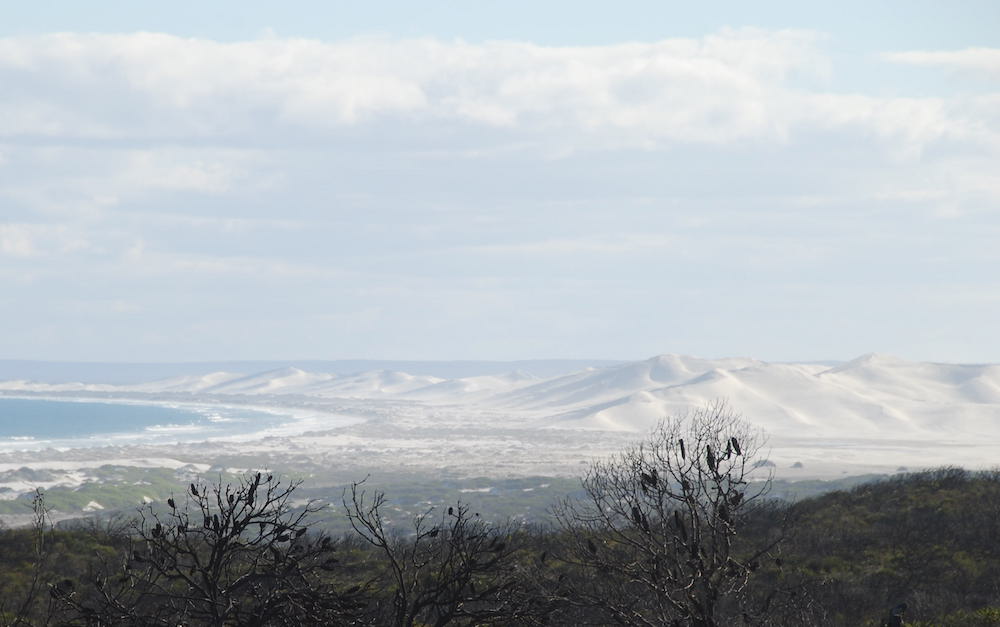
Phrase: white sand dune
x=873 y=412
x=873 y=395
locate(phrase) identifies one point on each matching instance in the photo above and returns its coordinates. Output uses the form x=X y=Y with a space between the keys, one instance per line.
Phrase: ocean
x=41 y=423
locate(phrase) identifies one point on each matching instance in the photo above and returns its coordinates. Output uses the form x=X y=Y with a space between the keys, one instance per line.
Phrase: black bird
x=723 y=511
x=680 y=525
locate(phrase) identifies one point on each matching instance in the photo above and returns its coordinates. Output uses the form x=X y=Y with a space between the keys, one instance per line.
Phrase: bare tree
x=33 y=605
x=454 y=569
x=228 y=554
x=658 y=526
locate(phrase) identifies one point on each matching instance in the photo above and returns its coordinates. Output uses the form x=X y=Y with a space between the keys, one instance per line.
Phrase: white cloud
x=161 y=170
x=16 y=240
x=730 y=86
x=84 y=182
x=442 y=184
x=734 y=85
x=34 y=240
x=220 y=224
x=140 y=261
x=907 y=125
x=980 y=60
x=629 y=243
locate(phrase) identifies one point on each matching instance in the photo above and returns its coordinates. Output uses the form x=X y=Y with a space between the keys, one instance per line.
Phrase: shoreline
x=411 y=436
x=297 y=420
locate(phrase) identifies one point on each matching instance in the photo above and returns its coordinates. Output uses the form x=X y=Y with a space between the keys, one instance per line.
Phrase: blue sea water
x=29 y=423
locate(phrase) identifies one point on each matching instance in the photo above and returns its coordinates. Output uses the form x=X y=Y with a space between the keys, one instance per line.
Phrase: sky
x=499 y=180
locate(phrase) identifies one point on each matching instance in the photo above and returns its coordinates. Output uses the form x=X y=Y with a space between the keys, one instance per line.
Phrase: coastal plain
x=507 y=432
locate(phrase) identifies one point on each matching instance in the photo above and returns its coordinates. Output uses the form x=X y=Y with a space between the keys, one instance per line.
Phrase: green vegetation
x=120 y=490
x=664 y=534
x=112 y=487
x=928 y=539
